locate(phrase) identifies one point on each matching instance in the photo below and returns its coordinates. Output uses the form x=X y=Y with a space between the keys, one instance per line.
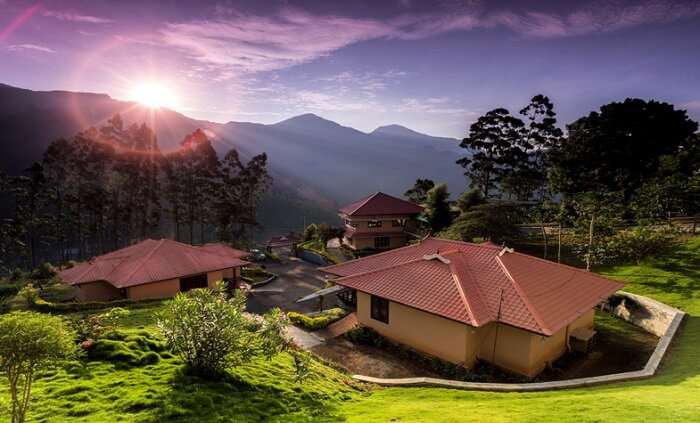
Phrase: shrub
x=639 y=243
x=30 y=342
x=44 y=271
x=318 y=321
x=29 y=294
x=311 y=232
x=94 y=326
x=211 y=332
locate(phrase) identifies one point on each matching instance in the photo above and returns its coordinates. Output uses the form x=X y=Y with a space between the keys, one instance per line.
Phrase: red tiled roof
x=380 y=204
x=223 y=250
x=283 y=240
x=477 y=284
x=151 y=261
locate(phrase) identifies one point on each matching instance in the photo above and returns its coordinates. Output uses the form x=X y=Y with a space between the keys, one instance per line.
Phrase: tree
x=619 y=148
x=492 y=221
x=541 y=136
x=596 y=217
x=419 y=193
x=437 y=208
x=327 y=232
x=30 y=342
x=211 y=332
x=469 y=199
x=311 y=232
x=494 y=143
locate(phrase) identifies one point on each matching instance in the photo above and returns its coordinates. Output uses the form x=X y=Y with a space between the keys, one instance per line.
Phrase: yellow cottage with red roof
x=464 y=302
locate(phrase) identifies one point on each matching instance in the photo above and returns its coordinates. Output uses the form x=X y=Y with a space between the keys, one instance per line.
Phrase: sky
x=434 y=66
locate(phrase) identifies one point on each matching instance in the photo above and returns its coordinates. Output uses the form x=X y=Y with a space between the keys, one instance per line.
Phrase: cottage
x=154 y=269
x=379 y=221
x=462 y=302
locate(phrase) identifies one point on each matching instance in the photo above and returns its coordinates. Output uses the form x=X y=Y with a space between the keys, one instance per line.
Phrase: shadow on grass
x=192 y=398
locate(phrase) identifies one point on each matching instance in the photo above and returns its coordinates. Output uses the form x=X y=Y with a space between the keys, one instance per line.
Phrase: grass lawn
x=672 y=396
x=105 y=391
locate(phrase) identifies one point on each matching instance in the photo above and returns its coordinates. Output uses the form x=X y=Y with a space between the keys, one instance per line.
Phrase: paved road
x=296 y=278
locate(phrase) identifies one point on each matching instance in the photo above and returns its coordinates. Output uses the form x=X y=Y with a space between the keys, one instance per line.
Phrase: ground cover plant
x=318 y=320
x=104 y=390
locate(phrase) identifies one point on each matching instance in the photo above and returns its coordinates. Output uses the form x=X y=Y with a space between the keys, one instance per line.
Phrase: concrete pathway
x=308 y=340
x=304 y=339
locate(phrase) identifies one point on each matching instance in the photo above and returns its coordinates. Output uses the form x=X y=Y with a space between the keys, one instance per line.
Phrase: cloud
x=234 y=43
x=367 y=83
x=33 y=47
x=72 y=17
x=432 y=105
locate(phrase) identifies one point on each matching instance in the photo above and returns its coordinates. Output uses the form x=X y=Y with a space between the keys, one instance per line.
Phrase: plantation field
x=134 y=378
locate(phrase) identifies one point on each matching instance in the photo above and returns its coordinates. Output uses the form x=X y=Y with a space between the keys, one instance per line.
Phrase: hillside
x=316 y=163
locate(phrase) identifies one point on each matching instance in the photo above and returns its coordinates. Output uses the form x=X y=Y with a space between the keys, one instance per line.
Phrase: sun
x=153 y=94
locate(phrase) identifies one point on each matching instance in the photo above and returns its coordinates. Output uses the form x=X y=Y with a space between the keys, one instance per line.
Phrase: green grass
x=672 y=396
x=131 y=376
x=105 y=390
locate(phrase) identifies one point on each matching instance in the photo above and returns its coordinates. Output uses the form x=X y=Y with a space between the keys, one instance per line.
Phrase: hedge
x=319 y=321
x=70 y=307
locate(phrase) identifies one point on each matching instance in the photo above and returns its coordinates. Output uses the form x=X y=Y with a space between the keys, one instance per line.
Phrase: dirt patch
x=367 y=360
x=618 y=347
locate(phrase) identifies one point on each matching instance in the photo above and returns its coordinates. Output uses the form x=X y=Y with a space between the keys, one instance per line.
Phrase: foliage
x=93 y=327
x=493 y=143
x=469 y=199
x=618 y=148
x=419 y=193
x=211 y=332
x=317 y=321
x=437 y=208
x=127 y=350
x=595 y=217
x=326 y=232
x=29 y=294
x=30 y=342
x=493 y=221
x=311 y=232
x=255 y=274
x=639 y=243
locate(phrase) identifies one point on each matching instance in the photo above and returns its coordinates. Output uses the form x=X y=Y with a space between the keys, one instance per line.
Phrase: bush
x=29 y=294
x=318 y=321
x=211 y=332
x=94 y=326
x=639 y=243
x=30 y=342
x=44 y=272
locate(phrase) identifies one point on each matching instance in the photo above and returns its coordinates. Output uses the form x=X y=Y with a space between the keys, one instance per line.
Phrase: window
x=381 y=242
x=398 y=223
x=350 y=223
x=380 y=309
x=374 y=223
x=197 y=281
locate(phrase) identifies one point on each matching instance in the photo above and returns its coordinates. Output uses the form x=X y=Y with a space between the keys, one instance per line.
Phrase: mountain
x=316 y=163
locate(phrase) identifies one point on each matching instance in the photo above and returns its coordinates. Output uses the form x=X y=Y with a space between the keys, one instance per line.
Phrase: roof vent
x=505 y=250
x=436 y=257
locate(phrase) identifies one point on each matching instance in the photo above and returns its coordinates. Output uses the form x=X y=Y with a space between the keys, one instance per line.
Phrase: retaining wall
x=652 y=316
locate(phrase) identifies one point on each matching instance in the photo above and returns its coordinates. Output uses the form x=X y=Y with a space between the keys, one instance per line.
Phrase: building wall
x=395 y=241
x=430 y=334
x=160 y=289
x=97 y=291
x=218 y=275
x=547 y=349
x=516 y=349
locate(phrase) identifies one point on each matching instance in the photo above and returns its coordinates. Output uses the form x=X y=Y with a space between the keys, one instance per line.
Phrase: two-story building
x=379 y=221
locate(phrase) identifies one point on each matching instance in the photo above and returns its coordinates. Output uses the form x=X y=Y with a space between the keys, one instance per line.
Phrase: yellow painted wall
x=425 y=332
x=160 y=289
x=516 y=349
x=97 y=291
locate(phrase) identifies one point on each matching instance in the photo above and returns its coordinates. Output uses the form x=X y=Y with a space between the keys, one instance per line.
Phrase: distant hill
x=316 y=163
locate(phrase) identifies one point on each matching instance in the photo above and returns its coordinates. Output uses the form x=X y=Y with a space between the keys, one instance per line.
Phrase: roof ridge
x=148 y=256
x=461 y=255
x=472 y=244
x=462 y=295
x=546 y=330
x=363 y=203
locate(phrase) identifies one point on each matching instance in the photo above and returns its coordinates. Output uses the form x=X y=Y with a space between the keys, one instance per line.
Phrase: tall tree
x=494 y=143
x=437 y=208
x=620 y=147
x=419 y=193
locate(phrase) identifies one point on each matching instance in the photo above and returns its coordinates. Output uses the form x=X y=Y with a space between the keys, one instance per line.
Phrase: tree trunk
x=590 y=243
x=544 y=238
x=559 y=245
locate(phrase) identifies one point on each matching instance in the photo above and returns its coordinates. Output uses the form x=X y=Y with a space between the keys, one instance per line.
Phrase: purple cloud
x=73 y=17
x=33 y=47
